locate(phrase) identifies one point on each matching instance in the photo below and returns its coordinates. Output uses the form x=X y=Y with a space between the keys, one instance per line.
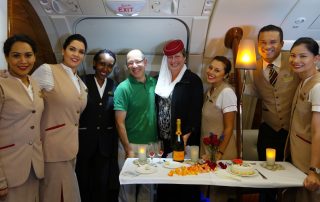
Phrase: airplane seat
x=250 y=138
x=250 y=152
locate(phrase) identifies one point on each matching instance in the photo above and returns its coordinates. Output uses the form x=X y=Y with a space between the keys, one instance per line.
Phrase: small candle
x=142 y=153
x=194 y=153
x=270 y=156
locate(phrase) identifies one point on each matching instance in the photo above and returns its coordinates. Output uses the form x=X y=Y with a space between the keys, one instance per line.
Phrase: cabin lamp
x=244 y=58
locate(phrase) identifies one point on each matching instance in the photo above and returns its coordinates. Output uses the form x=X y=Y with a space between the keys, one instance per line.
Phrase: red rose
x=214 y=140
x=206 y=140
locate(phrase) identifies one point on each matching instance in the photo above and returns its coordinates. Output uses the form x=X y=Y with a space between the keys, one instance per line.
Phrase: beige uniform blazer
x=300 y=135
x=60 y=120
x=20 y=144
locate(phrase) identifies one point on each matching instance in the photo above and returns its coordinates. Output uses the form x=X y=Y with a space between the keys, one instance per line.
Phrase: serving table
x=289 y=177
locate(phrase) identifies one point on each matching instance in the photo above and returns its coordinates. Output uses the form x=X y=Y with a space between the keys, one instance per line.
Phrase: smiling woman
x=303 y=143
x=20 y=60
x=21 y=106
x=98 y=140
x=65 y=97
x=179 y=95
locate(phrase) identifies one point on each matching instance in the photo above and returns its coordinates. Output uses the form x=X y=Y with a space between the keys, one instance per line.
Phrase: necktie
x=272 y=74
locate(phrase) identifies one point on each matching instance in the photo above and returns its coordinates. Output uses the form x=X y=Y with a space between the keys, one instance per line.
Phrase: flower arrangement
x=213 y=142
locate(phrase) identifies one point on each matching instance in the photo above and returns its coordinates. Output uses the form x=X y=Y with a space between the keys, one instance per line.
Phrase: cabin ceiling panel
x=92 y=7
x=231 y=13
x=316 y=24
x=303 y=20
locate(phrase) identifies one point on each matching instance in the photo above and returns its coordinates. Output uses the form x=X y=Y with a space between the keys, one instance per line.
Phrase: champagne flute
x=151 y=151
x=159 y=150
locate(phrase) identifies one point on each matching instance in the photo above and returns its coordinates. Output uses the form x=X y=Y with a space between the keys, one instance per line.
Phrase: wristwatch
x=316 y=170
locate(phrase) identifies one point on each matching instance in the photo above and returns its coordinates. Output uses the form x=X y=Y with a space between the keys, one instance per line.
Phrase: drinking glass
x=151 y=151
x=159 y=150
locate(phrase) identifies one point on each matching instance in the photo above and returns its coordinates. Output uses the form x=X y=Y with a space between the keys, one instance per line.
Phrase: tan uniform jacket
x=300 y=129
x=59 y=124
x=20 y=145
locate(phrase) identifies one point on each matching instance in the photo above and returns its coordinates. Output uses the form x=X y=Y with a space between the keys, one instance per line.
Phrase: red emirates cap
x=173 y=47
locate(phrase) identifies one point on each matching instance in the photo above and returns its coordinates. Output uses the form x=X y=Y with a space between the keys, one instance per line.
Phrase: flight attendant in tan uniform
x=65 y=98
x=218 y=114
x=21 y=106
x=304 y=137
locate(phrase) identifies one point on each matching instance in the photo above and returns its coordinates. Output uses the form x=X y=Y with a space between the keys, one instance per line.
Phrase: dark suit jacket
x=97 y=122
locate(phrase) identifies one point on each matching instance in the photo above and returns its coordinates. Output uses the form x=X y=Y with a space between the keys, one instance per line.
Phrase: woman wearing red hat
x=179 y=95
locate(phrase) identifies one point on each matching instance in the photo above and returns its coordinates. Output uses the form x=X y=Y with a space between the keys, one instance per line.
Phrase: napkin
x=273 y=168
x=224 y=174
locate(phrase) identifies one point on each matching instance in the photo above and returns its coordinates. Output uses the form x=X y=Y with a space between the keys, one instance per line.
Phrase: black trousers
x=267 y=137
x=98 y=178
x=178 y=193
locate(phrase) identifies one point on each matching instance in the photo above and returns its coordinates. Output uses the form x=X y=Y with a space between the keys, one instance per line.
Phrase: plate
x=242 y=175
x=172 y=164
x=146 y=169
x=138 y=162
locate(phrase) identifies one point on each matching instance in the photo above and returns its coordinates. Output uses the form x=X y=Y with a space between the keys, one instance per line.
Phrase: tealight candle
x=142 y=153
x=270 y=156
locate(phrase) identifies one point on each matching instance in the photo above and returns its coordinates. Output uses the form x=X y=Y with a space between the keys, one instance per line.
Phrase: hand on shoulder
x=4 y=73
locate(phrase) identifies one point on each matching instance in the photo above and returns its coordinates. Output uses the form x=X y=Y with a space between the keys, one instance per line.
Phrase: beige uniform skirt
x=59 y=180
x=27 y=192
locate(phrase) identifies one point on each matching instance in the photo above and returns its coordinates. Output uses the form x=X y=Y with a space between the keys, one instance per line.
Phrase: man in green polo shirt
x=135 y=113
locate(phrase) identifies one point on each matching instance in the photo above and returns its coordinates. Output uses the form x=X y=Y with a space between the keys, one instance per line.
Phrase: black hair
x=73 y=37
x=309 y=43
x=225 y=61
x=269 y=28
x=96 y=57
x=18 y=38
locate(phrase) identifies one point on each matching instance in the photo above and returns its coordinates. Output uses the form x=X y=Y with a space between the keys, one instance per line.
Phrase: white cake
x=242 y=169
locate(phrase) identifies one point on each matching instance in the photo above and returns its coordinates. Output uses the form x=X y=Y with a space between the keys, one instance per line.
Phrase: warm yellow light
x=142 y=153
x=270 y=156
x=246 y=56
x=142 y=150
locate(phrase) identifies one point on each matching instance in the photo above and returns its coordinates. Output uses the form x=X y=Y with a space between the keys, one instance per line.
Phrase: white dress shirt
x=45 y=79
x=102 y=88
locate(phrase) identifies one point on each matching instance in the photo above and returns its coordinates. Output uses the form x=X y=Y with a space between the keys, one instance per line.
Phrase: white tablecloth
x=289 y=177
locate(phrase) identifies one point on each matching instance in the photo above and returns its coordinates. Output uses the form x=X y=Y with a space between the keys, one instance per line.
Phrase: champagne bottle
x=178 y=146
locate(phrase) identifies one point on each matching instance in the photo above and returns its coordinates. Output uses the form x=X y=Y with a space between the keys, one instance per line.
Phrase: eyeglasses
x=105 y=64
x=131 y=63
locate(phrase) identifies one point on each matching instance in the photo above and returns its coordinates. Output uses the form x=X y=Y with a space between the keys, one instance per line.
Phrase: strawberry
x=237 y=161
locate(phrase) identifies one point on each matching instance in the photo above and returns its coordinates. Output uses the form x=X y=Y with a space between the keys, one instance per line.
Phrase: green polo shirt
x=138 y=100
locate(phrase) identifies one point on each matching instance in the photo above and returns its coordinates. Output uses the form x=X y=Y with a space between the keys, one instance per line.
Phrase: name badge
x=287 y=78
